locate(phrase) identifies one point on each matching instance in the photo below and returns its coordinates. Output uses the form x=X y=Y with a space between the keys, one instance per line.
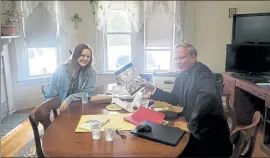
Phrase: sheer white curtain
x=179 y=22
x=172 y=8
x=136 y=13
x=51 y=6
x=132 y=9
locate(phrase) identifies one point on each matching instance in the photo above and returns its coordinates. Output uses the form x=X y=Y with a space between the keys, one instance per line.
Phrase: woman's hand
x=63 y=107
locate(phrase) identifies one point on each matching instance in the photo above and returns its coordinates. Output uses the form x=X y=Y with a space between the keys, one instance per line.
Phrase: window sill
x=35 y=80
x=106 y=73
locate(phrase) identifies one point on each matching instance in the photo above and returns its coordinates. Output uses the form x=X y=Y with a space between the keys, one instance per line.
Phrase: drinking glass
x=145 y=102
x=115 y=91
x=109 y=134
x=95 y=129
x=146 y=93
x=84 y=98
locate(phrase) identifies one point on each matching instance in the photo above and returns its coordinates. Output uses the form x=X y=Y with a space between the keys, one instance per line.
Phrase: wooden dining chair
x=43 y=87
x=229 y=111
x=41 y=115
x=225 y=98
x=244 y=138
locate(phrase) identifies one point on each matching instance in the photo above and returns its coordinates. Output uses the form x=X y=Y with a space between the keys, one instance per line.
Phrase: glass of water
x=145 y=102
x=109 y=134
x=146 y=93
x=85 y=98
x=115 y=91
x=95 y=129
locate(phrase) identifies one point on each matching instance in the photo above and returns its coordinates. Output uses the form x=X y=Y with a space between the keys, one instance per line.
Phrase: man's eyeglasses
x=121 y=134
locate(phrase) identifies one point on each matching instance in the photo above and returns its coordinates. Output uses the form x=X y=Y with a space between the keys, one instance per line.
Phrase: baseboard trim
x=32 y=98
x=21 y=104
x=3 y=116
x=12 y=111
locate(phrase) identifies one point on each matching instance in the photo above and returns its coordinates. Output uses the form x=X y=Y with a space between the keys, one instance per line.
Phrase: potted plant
x=11 y=19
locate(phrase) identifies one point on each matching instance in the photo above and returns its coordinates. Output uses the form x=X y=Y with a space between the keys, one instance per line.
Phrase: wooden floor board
x=15 y=140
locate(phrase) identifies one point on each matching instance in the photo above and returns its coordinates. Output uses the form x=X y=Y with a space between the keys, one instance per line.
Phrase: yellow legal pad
x=116 y=121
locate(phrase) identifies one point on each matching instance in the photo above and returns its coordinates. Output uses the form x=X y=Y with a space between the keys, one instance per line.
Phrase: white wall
x=214 y=29
x=206 y=25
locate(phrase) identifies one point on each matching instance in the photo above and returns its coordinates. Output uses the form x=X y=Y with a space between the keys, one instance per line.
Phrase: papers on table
x=263 y=85
x=95 y=121
x=115 y=121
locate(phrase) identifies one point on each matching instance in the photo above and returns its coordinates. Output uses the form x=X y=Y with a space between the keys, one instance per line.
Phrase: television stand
x=254 y=78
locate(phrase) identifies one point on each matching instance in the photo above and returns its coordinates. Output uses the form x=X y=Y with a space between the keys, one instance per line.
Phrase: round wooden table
x=60 y=139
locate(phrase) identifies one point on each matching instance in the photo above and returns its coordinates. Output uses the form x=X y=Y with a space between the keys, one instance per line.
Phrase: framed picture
x=232 y=11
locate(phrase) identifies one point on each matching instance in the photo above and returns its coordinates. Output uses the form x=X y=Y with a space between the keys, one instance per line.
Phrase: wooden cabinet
x=251 y=89
x=267 y=126
x=229 y=86
x=267 y=120
x=241 y=91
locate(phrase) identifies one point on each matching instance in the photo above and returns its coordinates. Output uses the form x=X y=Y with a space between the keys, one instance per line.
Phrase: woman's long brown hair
x=73 y=64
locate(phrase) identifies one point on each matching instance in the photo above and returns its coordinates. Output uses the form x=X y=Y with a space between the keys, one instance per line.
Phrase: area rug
x=11 y=121
x=29 y=150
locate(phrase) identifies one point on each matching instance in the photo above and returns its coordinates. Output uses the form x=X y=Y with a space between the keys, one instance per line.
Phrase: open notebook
x=109 y=120
x=97 y=121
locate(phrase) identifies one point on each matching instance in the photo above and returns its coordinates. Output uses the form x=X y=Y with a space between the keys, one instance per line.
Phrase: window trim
x=105 y=44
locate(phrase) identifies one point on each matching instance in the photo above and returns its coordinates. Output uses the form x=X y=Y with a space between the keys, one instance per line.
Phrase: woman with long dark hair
x=75 y=78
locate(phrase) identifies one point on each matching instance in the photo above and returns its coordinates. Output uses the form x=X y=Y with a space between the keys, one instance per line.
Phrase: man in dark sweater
x=196 y=90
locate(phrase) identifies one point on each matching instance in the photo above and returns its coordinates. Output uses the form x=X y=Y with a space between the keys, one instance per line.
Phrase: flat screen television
x=248 y=58
x=251 y=28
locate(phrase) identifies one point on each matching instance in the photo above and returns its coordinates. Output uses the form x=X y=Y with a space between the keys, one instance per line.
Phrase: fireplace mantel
x=5 y=40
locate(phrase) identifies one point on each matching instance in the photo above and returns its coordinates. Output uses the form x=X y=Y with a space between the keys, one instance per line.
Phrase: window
x=149 y=49
x=40 y=53
x=42 y=61
x=157 y=59
x=117 y=39
x=158 y=41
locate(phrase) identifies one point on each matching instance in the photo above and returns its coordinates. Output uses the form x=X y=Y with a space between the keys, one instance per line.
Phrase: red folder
x=145 y=114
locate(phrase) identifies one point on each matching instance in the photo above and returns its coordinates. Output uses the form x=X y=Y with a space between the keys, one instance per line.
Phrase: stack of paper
x=96 y=121
x=115 y=121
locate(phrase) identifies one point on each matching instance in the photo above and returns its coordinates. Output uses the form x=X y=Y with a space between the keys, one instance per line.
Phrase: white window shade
x=159 y=28
x=40 y=25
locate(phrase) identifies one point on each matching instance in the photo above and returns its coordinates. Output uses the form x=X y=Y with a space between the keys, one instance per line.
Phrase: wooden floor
x=15 y=140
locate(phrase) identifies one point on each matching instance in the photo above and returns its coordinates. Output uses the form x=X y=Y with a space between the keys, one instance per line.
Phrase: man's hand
x=149 y=88
x=63 y=107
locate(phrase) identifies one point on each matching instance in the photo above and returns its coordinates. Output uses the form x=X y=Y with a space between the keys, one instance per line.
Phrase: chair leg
x=55 y=113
